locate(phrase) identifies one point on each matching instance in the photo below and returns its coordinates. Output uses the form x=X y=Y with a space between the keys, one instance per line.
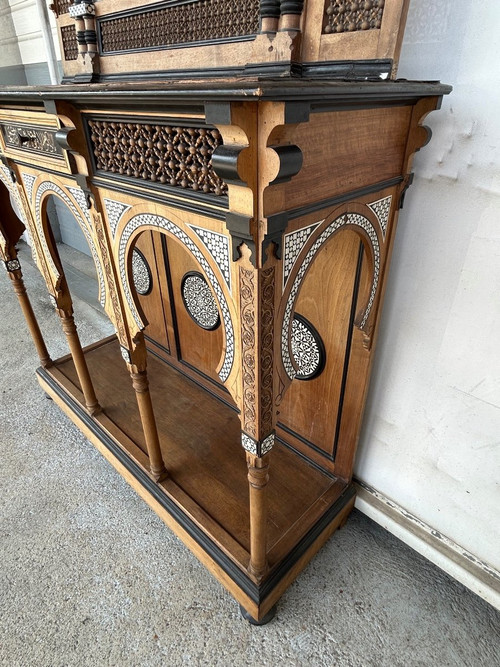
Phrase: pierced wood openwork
x=346 y=16
x=178 y=24
x=176 y=156
x=61 y=6
x=69 y=43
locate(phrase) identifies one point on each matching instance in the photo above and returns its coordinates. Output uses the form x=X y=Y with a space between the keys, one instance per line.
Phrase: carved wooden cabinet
x=241 y=230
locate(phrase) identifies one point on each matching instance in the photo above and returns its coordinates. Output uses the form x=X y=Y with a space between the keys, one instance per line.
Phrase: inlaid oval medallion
x=308 y=349
x=199 y=301
x=141 y=273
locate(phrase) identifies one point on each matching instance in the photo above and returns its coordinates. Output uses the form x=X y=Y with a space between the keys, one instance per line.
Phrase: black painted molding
x=238 y=227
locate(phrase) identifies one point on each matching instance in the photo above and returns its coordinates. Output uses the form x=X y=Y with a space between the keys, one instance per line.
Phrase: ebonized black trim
x=309 y=538
x=309 y=444
x=336 y=94
x=347 y=354
x=256 y=593
x=350 y=70
x=158 y=345
x=161 y=198
x=340 y=199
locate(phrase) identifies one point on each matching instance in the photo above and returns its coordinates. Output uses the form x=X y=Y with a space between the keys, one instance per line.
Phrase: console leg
x=263 y=621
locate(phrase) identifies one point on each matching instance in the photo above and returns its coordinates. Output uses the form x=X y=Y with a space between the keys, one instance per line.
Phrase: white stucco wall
x=431 y=436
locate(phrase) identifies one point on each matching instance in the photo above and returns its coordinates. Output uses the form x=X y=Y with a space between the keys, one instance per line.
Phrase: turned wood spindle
x=69 y=328
x=141 y=385
x=269 y=13
x=291 y=11
x=258 y=477
x=29 y=315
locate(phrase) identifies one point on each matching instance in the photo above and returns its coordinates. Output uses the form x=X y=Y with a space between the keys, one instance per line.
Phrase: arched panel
x=315 y=243
x=143 y=221
x=327 y=300
x=74 y=198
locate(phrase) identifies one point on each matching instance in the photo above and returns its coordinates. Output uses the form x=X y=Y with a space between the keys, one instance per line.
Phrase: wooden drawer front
x=31 y=139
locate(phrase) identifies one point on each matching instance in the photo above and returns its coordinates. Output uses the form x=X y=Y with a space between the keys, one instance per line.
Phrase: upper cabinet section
x=133 y=40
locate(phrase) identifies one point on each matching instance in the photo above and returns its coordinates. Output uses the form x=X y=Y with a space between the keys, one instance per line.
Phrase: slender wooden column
x=20 y=289
x=258 y=477
x=141 y=385
x=69 y=328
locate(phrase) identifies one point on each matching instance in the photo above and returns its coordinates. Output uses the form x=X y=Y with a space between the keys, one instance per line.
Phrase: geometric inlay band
x=141 y=273
x=256 y=448
x=354 y=219
x=293 y=244
x=218 y=246
x=114 y=212
x=382 y=208
x=28 y=181
x=199 y=301
x=146 y=220
x=308 y=349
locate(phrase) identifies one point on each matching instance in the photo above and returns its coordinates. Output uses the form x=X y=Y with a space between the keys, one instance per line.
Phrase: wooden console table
x=241 y=230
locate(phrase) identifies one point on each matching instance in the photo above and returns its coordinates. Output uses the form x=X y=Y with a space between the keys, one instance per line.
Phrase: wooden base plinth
x=205 y=499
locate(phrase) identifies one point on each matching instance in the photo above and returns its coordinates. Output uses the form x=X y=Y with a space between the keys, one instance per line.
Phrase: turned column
x=13 y=267
x=258 y=477
x=140 y=382
x=69 y=328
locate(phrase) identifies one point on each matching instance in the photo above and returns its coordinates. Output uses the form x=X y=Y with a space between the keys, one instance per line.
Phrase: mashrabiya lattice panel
x=353 y=15
x=164 y=154
x=346 y=219
x=179 y=24
x=147 y=219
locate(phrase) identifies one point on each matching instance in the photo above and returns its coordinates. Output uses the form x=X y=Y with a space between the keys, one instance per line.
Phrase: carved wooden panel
x=311 y=410
x=69 y=43
x=346 y=16
x=61 y=6
x=176 y=156
x=178 y=24
x=31 y=139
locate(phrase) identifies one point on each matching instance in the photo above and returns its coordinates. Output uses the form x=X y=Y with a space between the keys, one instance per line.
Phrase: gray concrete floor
x=90 y=576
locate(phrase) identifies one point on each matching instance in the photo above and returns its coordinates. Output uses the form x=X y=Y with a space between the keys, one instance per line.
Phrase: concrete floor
x=90 y=576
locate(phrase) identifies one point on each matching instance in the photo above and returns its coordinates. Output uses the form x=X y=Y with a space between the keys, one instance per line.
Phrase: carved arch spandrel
x=359 y=218
x=141 y=218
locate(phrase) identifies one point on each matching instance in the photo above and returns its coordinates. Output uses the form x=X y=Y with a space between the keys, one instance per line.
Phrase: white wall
x=431 y=437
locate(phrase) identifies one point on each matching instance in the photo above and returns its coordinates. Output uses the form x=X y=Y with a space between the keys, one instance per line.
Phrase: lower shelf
x=205 y=498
